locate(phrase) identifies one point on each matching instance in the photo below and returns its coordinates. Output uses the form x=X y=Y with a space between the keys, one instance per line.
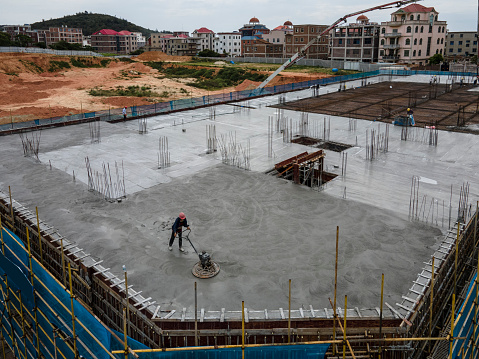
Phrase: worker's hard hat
x=408 y=109
x=182 y=215
x=126 y=107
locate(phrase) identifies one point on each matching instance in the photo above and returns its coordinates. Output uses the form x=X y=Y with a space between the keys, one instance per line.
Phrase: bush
x=436 y=59
x=208 y=53
x=58 y=65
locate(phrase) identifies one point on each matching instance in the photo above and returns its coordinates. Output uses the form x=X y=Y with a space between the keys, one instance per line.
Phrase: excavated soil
x=28 y=90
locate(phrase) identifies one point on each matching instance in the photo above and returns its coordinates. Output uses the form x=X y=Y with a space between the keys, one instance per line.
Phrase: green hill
x=91 y=23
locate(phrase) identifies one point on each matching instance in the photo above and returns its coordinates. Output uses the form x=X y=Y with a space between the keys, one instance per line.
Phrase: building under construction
x=332 y=233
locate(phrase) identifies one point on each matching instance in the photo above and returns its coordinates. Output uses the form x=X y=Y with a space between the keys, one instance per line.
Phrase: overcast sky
x=222 y=15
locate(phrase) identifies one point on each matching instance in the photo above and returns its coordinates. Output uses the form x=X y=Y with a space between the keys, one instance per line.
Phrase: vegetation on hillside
x=91 y=23
x=136 y=91
x=209 y=78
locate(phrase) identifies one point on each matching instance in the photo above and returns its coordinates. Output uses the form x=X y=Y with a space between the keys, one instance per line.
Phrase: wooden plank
x=246 y=318
x=183 y=315
x=147 y=305
x=327 y=314
x=156 y=312
x=202 y=315
x=141 y=302
x=301 y=312
x=169 y=314
x=409 y=299
x=311 y=310
x=222 y=316
x=266 y=314
x=281 y=313
x=399 y=316
x=357 y=311
x=117 y=283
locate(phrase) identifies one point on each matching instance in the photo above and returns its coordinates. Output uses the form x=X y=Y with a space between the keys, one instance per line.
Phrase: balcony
x=392 y=46
x=392 y=34
x=390 y=58
x=394 y=23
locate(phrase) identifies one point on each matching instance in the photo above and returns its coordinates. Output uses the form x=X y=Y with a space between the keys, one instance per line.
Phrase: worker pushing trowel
x=205 y=268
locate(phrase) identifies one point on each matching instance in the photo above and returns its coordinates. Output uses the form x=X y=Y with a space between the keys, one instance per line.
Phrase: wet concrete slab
x=262 y=230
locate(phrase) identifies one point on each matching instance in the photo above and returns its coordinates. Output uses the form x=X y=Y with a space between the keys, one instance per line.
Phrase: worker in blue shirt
x=410 y=115
x=178 y=229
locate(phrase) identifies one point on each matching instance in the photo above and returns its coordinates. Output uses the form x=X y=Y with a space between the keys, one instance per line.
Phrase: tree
x=208 y=53
x=436 y=59
x=5 y=39
x=22 y=40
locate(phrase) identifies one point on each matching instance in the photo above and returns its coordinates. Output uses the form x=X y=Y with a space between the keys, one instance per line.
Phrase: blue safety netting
x=464 y=324
x=53 y=305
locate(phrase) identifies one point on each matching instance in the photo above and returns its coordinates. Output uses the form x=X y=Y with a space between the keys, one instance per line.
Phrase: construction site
x=327 y=229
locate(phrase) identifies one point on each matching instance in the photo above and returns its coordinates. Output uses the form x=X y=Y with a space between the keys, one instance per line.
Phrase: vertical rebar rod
x=289 y=313
x=35 y=309
x=335 y=287
x=125 y=335
x=242 y=329
x=345 y=322
x=431 y=296
x=39 y=237
x=381 y=314
x=196 y=316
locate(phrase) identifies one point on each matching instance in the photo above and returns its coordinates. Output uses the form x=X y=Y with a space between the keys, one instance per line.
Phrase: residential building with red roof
x=111 y=41
x=413 y=35
x=357 y=41
x=277 y=36
x=205 y=38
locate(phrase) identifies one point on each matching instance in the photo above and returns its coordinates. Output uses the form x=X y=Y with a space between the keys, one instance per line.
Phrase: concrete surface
x=260 y=229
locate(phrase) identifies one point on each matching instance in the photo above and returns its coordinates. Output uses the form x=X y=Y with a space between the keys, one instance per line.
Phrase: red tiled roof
x=124 y=32
x=417 y=8
x=283 y=27
x=204 y=30
x=106 y=32
x=183 y=36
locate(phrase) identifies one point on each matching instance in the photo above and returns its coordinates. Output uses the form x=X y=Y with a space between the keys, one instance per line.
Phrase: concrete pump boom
x=302 y=53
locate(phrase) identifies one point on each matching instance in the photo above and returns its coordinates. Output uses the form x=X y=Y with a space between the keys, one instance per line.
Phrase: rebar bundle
x=101 y=182
x=428 y=135
x=31 y=146
x=376 y=142
x=211 y=142
x=94 y=131
x=353 y=124
x=462 y=211
x=142 y=128
x=428 y=210
x=212 y=113
x=163 y=154
x=232 y=153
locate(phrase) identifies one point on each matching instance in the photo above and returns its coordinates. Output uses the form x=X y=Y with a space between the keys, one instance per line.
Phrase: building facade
x=111 y=41
x=64 y=33
x=356 y=42
x=228 y=43
x=181 y=45
x=205 y=38
x=460 y=45
x=278 y=36
x=301 y=35
x=14 y=30
x=253 y=28
x=413 y=35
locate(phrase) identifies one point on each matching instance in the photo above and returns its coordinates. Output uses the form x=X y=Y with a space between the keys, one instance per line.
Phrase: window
x=408 y=29
x=422 y=29
x=459 y=50
x=461 y=35
x=415 y=41
x=411 y=17
x=418 y=17
x=419 y=53
x=460 y=42
x=420 y=41
x=451 y=43
x=438 y=41
x=416 y=29
x=414 y=53
x=381 y=53
x=367 y=41
x=356 y=41
x=277 y=40
x=450 y=50
x=383 y=30
x=474 y=42
x=382 y=41
x=302 y=29
x=467 y=45
x=408 y=42
x=312 y=29
x=442 y=41
x=406 y=53
x=340 y=41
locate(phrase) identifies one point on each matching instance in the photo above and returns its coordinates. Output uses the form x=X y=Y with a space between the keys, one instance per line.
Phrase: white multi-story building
x=228 y=43
x=205 y=38
x=140 y=39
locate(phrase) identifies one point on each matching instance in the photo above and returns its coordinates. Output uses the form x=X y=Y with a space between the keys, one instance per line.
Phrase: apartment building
x=205 y=38
x=156 y=41
x=63 y=33
x=356 y=42
x=413 y=35
x=181 y=45
x=253 y=28
x=301 y=35
x=140 y=39
x=14 y=30
x=460 y=44
x=111 y=41
x=228 y=43
x=253 y=46
x=278 y=35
